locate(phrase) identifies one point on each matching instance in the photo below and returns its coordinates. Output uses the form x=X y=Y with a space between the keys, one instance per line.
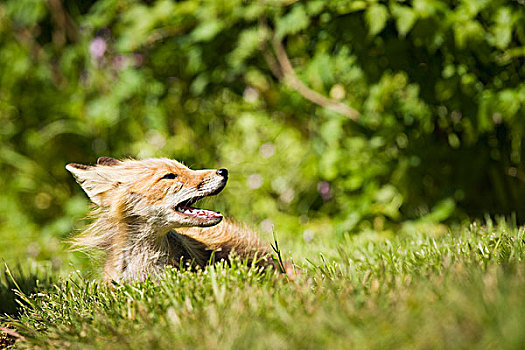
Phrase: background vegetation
x=333 y=117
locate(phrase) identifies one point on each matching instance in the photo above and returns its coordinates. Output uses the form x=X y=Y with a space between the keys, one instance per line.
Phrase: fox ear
x=93 y=180
x=108 y=161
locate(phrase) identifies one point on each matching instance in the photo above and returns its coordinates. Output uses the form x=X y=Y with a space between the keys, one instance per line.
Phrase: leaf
x=405 y=19
x=376 y=17
x=207 y=30
x=486 y=108
x=467 y=33
x=503 y=29
x=248 y=43
x=293 y=22
x=25 y=12
x=346 y=7
x=315 y=7
x=441 y=211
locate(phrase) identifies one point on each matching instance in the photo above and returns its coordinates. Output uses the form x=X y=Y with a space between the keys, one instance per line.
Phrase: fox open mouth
x=185 y=208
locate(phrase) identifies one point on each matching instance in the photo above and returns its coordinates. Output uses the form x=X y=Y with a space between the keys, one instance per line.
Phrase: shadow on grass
x=24 y=280
x=13 y=280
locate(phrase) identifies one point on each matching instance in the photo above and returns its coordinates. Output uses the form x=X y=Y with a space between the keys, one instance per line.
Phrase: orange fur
x=144 y=220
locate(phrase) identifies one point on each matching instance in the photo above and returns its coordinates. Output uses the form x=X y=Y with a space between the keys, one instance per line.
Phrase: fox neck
x=146 y=251
x=135 y=247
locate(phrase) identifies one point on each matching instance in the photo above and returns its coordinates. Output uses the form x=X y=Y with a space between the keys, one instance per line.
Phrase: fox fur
x=143 y=220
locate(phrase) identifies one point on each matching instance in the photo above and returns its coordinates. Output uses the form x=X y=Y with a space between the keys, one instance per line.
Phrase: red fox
x=144 y=218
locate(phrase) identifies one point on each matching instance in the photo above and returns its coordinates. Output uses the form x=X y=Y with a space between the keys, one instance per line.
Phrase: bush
x=438 y=86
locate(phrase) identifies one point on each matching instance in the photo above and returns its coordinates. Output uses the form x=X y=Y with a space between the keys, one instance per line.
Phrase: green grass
x=461 y=289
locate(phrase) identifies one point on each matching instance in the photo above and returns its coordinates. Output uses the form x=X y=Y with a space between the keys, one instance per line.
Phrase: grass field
x=460 y=289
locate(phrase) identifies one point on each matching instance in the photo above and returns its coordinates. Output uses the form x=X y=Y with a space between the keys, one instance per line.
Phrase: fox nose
x=223 y=172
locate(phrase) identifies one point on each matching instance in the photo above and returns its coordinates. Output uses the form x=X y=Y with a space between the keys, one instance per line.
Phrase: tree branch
x=282 y=68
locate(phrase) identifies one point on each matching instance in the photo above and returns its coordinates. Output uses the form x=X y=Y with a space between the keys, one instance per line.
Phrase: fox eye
x=169 y=176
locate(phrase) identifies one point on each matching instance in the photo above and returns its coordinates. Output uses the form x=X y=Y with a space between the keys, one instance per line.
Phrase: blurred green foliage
x=440 y=87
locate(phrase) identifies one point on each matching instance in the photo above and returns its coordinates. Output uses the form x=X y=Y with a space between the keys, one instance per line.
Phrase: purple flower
x=139 y=59
x=323 y=187
x=325 y=190
x=97 y=47
x=120 y=62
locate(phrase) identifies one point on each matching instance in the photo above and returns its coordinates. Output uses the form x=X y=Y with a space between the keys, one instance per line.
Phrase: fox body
x=144 y=220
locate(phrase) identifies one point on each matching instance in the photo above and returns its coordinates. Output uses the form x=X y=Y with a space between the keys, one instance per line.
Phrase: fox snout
x=195 y=186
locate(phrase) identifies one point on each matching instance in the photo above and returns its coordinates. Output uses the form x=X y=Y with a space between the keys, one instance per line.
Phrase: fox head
x=160 y=191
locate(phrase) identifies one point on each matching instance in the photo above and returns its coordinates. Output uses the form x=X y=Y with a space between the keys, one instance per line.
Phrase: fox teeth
x=184 y=210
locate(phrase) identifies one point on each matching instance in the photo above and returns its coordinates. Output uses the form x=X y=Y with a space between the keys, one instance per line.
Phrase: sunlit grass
x=462 y=289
